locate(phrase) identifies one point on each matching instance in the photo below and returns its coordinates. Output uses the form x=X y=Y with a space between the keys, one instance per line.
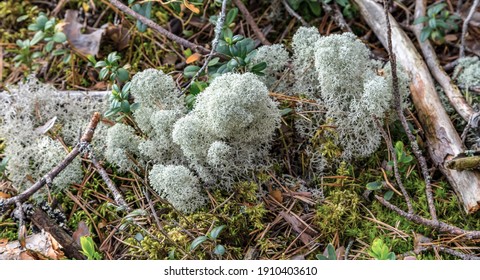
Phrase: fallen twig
x=251 y=22
x=117 y=195
x=465 y=26
x=453 y=93
x=47 y=179
x=218 y=31
x=337 y=16
x=70 y=247
x=294 y=14
x=150 y=23
x=397 y=99
x=442 y=139
x=437 y=225
x=398 y=177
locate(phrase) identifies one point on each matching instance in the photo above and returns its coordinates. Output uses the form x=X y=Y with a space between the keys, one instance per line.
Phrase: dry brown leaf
x=191 y=7
x=4 y=195
x=119 y=35
x=298 y=227
x=3 y=241
x=22 y=236
x=85 y=44
x=277 y=195
x=82 y=230
x=194 y=57
x=451 y=37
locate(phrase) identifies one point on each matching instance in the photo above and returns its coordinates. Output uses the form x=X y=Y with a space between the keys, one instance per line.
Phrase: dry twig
x=398 y=177
x=218 y=31
x=465 y=26
x=397 y=99
x=294 y=14
x=453 y=93
x=337 y=16
x=47 y=179
x=251 y=22
x=159 y=29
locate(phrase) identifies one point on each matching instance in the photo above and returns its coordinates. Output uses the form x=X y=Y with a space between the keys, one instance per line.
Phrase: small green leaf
x=49 y=46
x=424 y=34
x=321 y=257
x=332 y=255
x=99 y=64
x=421 y=20
x=231 y=15
x=373 y=186
x=123 y=74
x=216 y=232
x=134 y=106
x=199 y=240
x=285 y=111
x=37 y=37
x=59 y=37
x=213 y=62
x=22 y=18
x=388 y=195
x=103 y=73
x=219 y=250
x=125 y=106
x=259 y=67
x=190 y=71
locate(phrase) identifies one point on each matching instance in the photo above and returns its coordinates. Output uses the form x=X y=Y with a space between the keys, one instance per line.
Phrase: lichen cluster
x=227 y=133
x=31 y=150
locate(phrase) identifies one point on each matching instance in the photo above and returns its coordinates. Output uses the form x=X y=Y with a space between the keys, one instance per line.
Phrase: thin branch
x=454 y=95
x=294 y=14
x=465 y=26
x=397 y=98
x=251 y=22
x=337 y=16
x=434 y=224
x=47 y=179
x=398 y=177
x=150 y=23
x=216 y=39
x=117 y=195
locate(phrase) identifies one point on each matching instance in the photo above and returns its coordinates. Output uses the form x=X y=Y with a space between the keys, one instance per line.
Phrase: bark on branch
x=47 y=179
x=443 y=141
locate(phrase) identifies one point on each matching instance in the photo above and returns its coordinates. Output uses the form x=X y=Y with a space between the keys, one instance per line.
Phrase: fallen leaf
x=191 y=7
x=194 y=57
x=47 y=126
x=4 y=195
x=410 y=258
x=22 y=236
x=82 y=230
x=119 y=35
x=3 y=241
x=170 y=59
x=85 y=44
x=277 y=195
x=451 y=38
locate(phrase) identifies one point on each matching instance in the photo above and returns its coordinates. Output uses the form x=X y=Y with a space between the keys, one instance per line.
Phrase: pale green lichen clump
x=177 y=185
x=31 y=152
x=468 y=71
x=234 y=117
x=276 y=57
x=353 y=92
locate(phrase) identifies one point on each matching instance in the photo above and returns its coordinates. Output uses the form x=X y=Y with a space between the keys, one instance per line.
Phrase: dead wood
x=443 y=142
x=70 y=247
x=451 y=90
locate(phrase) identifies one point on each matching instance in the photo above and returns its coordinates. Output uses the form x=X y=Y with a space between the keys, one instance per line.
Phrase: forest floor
x=342 y=214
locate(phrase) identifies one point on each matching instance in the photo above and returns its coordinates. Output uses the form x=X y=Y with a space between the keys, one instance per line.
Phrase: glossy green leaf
x=199 y=240
x=388 y=195
x=123 y=74
x=373 y=186
x=59 y=37
x=216 y=232
x=219 y=250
